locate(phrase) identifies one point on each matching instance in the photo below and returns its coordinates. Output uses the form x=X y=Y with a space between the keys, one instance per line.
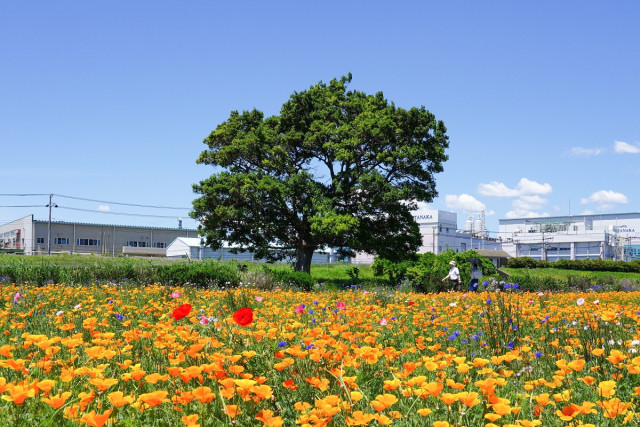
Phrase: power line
x=89 y=200
x=22 y=206
x=115 y=213
x=22 y=195
x=121 y=203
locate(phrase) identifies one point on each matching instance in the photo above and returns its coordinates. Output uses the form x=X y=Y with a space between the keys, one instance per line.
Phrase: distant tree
x=336 y=168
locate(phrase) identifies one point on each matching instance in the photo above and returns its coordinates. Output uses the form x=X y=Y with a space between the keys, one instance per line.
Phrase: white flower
x=633 y=350
x=60 y=313
x=77 y=307
x=611 y=342
x=453 y=304
x=597 y=301
x=635 y=342
x=580 y=301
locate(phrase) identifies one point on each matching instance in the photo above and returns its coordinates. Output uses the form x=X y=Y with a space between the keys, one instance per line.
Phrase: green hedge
x=202 y=273
x=578 y=264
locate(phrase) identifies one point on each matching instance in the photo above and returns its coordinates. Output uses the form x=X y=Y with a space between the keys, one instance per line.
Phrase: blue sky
x=110 y=101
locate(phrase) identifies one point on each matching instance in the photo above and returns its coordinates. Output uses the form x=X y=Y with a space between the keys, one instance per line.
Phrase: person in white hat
x=453 y=276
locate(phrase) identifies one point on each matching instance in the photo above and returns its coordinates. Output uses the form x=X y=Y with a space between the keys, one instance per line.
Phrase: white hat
x=452 y=263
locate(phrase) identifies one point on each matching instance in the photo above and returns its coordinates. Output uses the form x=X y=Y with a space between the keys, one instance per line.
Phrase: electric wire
x=22 y=206
x=24 y=194
x=115 y=213
x=121 y=203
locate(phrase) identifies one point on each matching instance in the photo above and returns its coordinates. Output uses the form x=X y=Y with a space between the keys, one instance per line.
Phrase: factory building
x=600 y=236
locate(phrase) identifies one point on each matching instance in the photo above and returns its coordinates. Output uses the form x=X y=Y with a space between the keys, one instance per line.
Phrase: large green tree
x=337 y=168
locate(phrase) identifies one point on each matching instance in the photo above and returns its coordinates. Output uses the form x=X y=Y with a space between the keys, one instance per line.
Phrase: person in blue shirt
x=476 y=273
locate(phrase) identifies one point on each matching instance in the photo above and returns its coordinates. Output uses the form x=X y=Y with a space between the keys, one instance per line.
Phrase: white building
x=604 y=236
x=193 y=248
x=440 y=233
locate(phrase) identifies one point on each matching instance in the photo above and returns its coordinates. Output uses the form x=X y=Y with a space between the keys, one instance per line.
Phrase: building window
x=40 y=240
x=160 y=245
x=134 y=244
x=60 y=240
x=88 y=242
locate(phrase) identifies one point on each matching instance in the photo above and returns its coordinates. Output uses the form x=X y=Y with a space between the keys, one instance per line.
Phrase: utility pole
x=545 y=245
x=50 y=205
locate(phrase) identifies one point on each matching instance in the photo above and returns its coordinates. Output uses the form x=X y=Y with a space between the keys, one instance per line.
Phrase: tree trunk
x=303 y=259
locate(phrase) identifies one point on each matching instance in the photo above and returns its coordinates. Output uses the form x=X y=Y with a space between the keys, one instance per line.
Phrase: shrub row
x=206 y=274
x=578 y=265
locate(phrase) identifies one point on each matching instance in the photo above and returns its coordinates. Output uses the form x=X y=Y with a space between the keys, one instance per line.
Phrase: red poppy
x=181 y=311
x=243 y=316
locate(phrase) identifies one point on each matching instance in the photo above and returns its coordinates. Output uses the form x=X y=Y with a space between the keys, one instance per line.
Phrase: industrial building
x=604 y=236
x=33 y=237
x=440 y=233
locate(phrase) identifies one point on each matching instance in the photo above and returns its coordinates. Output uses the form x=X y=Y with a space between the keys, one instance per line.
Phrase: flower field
x=170 y=356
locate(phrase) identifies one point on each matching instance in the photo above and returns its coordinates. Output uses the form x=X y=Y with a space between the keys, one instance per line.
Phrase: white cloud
x=528 y=203
x=525 y=187
x=623 y=147
x=587 y=212
x=104 y=208
x=496 y=189
x=605 y=199
x=527 y=206
x=580 y=151
x=465 y=203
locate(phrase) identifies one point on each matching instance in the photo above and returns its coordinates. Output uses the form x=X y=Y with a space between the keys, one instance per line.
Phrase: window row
x=135 y=244
x=65 y=241
x=96 y=242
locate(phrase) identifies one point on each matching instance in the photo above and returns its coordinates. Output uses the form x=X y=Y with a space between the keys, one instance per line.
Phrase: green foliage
x=500 y=323
x=396 y=271
x=292 y=279
x=202 y=273
x=578 y=264
x=427 y=270
x=333 y=169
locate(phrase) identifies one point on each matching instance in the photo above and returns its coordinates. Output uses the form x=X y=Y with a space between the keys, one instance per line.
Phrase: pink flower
x=300 y=309
x=259 y=299
x=175 y=295
x=341 y=306
x=16 y=297
x=204 y=320
x=383 y=322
